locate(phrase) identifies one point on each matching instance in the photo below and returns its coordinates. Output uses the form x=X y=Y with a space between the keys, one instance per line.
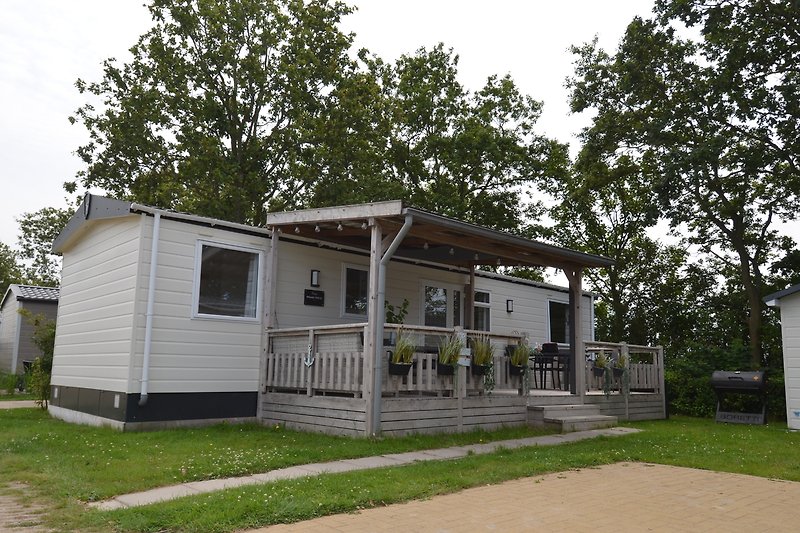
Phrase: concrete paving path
x=16 y=404
x=345 y=465
x=613 y=498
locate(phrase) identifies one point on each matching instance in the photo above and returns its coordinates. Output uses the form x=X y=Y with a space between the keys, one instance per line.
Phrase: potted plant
x=402 y=358
x=620 y=365
x=601 y=364
x=518 y=361
x=449 y=352
x=482 y=352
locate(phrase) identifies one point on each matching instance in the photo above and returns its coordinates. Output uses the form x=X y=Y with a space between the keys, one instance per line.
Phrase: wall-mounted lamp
x=509 y=306
x=316 y=228
x=315 y=278
x=339 y=227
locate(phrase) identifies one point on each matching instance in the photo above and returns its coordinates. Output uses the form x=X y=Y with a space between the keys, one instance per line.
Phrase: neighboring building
x=788 y=300
x=16 y=333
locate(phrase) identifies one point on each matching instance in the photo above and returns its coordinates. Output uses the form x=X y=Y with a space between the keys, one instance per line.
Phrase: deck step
x=537 y=413
x=568 y=424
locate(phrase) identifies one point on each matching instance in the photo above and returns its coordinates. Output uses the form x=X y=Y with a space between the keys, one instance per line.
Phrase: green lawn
x=5 y=397
x=67 y=464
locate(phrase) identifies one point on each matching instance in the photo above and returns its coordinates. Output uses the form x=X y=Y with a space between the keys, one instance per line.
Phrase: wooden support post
x=625 y=354
x=577 y=378
x=312 y=350
x=371 y=340
x=470 y=303
x=660 y=369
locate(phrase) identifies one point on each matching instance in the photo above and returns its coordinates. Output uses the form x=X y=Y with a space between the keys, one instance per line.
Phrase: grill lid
x=738 y=381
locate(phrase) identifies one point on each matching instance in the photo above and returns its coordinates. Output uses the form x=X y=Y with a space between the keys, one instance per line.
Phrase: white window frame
x=451 y=289
x=198 y=262
x=550 y=324
x=343 y=296
x=485 y=305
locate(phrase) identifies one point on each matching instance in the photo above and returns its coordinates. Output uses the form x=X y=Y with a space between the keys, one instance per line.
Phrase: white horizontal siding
x=96 y=306
x=790 y=327
x=193 y=354
x=405 y=280
x=9 y=319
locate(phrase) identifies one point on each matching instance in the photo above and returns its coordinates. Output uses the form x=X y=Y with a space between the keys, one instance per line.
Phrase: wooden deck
x=313 y=379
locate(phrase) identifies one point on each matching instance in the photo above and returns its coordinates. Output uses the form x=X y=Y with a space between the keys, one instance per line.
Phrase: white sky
x=45 y=45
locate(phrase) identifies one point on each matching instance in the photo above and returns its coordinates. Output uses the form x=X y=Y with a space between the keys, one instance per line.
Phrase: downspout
x=151 y=294
x=377 y=384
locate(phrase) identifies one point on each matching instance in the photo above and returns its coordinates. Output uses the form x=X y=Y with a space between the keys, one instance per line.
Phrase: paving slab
x=613 y=498
x=379 y=461
x=17 y=404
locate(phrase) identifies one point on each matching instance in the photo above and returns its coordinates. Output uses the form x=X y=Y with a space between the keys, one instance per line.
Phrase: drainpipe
x=377 y=384
x=151 y=294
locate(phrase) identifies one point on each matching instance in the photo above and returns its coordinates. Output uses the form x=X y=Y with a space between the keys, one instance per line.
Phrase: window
x=559 y=321
x=482 y=311
x=356 y=282
x=435 y=306
x=227 y=284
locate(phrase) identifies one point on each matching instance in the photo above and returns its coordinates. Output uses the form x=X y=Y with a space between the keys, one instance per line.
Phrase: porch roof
x=432 y=237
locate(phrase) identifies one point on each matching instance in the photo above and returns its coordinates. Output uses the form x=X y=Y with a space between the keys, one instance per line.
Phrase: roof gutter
x=151 y=294
x=381 y=318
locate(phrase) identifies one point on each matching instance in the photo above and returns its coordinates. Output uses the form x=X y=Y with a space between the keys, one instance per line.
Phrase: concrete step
x=568 y=424
x=537 y=413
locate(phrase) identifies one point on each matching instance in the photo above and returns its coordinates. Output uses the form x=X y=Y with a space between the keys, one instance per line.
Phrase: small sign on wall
x=314 y=297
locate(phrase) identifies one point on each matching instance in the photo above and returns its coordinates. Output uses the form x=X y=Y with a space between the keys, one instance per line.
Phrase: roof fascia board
x=570 y=257
x=390 y=208
x=773 y=300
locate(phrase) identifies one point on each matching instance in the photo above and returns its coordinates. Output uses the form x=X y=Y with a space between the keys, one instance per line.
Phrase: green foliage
x=482 y=350
x=714 y=142
x=10 y=269
x=44 y=337
x=8 y=383
x=450 y=350
x=38 y=230
x=396 y=315
x=403 y=349
x=521 y=353
x=218 y=113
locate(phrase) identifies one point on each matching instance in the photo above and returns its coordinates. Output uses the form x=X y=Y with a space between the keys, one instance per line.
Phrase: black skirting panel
x=160 y=407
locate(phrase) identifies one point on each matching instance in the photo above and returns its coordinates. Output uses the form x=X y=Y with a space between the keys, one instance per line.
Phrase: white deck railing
x=330 y=359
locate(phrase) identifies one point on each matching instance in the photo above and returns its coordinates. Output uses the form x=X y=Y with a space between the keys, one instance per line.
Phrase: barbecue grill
x=726 y=384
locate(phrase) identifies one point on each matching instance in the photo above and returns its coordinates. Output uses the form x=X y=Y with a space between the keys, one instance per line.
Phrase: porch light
x=297 y=229
x=509 y=306
x=452 y=251
x=315 y=278
x=339 y=227
x=316 y=228
x=476 y=257
x=425 y=246
x=363 y=225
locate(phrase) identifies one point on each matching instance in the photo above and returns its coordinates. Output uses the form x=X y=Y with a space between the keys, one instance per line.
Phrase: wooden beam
x=339 y=213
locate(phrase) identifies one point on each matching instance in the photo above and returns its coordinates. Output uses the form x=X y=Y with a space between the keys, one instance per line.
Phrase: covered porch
x=334 y=378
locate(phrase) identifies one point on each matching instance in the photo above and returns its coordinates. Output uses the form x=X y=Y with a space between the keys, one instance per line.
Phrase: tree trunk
x=753 y=290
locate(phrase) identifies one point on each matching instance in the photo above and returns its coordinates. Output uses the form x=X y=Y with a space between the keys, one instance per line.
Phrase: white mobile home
x=168 y=317
x=17 y=349
x=788 y=300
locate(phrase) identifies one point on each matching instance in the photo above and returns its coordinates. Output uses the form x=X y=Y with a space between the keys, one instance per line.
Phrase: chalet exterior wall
x=16 y=332
x=789 y=303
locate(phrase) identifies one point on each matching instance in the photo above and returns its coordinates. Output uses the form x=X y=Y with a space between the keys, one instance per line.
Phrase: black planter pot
x=444 y=370
x=480 y=370
x=618 y=372
x=398 y=369
x=598 y=371
x=515 y=370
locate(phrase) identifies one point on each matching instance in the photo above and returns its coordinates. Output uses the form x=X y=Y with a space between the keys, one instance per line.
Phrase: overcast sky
x=45 y=45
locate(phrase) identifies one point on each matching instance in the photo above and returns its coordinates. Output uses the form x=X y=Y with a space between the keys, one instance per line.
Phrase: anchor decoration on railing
x=309 y=358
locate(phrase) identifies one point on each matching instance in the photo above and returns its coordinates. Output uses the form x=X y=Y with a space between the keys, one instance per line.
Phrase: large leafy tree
x=10 y=271
x=215 y=113
x=38 y=230
x=430 y=140
x=712 y=123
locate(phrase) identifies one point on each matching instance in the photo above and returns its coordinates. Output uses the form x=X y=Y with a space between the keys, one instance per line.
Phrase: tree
x=38 y=230
x=605 y=210
x=216 y=113
x=712 y=123
x=10 y=271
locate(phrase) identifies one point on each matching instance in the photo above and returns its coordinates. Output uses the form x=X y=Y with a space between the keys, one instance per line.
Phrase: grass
x=68 y=463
